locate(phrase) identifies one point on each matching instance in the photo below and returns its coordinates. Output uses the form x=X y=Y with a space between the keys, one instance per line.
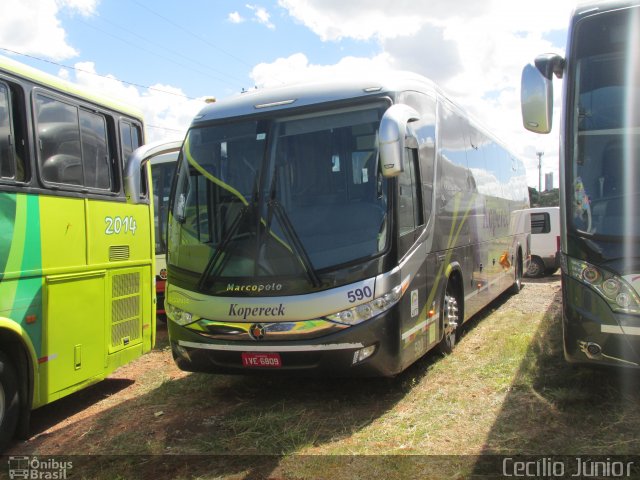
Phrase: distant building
x=548 y=181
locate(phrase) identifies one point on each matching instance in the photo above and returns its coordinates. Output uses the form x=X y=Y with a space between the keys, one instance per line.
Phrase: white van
x=545 y=241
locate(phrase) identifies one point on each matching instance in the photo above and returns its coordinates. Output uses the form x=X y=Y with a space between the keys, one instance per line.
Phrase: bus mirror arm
x=137 y=161
x=549 y=64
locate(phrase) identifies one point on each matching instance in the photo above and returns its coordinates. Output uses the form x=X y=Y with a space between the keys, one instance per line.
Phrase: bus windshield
x=279 y=197
x=606 y=125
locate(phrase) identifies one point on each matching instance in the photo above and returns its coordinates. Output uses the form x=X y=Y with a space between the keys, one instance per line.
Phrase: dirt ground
x=61 y=425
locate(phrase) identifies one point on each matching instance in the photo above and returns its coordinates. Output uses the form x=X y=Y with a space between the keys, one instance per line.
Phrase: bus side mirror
x=137 y=161
x=537 y=92
x=394 y=137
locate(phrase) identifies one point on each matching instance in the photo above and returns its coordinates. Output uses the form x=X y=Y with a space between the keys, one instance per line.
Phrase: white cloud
x=32 y=26
x=296 y=68
x=261 y=15
x=84 y=7
x=166 y=111
x=359 y=19
x=235 y=17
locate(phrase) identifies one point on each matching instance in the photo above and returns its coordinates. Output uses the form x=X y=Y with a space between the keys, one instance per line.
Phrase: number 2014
x=118 y=225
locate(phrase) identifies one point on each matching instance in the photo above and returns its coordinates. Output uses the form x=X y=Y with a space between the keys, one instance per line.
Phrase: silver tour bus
x=344 y=227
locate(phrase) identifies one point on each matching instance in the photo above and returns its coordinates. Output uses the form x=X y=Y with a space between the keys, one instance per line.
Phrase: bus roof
x=310 y=93
x=29 y=73
x=586 y=7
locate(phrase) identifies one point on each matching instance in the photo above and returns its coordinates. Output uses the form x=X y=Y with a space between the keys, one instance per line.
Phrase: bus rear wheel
x=449 y=319
x=517 y=280
x=9 y=401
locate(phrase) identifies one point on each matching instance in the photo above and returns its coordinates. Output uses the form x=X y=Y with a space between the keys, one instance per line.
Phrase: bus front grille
x=125 y=310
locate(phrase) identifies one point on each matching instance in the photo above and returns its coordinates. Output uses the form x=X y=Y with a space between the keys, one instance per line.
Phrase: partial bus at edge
x=599 y=178
x=338 y=228
x=76 y=242
x=162 y=170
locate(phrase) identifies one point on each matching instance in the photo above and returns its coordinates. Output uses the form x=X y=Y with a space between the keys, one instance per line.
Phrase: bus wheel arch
x=9 y=400
x=451 y=313
x=14 y=353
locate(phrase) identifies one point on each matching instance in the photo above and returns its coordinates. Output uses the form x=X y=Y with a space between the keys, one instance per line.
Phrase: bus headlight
x=361 y=313
x=179 y=316
x=620 y=296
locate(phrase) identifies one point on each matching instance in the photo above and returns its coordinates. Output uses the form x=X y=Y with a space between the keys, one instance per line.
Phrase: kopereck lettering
x=236 y=310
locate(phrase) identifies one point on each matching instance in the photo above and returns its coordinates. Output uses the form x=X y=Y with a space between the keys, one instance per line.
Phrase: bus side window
x=59 y=141
x=11 y=136
x=95 y=150
x=130 y=139
x=7 y=156
x=409 y=201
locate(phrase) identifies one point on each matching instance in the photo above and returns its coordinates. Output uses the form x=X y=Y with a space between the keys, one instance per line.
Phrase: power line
x=164 y=128
x=97 y=74
x=198 y=37
x=190 y=32
x=159 y=47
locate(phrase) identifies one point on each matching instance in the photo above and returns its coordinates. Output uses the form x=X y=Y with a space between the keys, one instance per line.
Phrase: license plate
x=261 y=360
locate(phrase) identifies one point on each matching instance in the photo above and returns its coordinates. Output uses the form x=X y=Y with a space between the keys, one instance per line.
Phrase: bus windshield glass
x=279 y=197
x=604 y=197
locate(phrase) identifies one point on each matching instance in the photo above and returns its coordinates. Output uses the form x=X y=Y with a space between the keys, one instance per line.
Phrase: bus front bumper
x=367 y=349
x=593 y=333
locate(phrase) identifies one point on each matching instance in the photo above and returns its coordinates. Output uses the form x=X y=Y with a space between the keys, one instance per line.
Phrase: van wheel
x=9 y=401
x=536 y=268
x=449 y=319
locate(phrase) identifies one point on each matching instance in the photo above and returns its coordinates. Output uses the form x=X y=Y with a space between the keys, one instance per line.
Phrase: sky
x=167 y=57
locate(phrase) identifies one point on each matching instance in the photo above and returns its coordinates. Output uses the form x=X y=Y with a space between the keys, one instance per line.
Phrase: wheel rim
x=534 y=269
x=450 y=317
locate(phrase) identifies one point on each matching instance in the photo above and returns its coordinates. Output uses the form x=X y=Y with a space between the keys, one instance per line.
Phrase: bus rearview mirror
x=536 y=100
x=392 y=138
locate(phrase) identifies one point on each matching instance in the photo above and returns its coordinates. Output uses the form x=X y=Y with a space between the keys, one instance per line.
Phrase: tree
x=549 y=198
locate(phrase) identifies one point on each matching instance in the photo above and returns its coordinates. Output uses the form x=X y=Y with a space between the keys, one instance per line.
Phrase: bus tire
x=517 y=281
x=9 y=401
x=449 y=319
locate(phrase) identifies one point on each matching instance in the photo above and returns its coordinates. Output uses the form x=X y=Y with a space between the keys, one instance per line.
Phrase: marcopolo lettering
x=256 y=287
x=236 y=310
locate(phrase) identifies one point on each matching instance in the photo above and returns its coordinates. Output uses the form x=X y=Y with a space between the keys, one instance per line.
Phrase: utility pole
x=540 y=154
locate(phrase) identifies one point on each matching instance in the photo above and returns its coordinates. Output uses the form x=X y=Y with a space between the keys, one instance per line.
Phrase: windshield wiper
x=273 y=206
x=215 y=264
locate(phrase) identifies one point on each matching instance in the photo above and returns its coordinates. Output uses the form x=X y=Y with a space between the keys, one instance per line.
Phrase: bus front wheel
x=9 y=401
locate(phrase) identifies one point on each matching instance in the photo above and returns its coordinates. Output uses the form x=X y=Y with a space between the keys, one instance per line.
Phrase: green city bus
x=77 y=271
